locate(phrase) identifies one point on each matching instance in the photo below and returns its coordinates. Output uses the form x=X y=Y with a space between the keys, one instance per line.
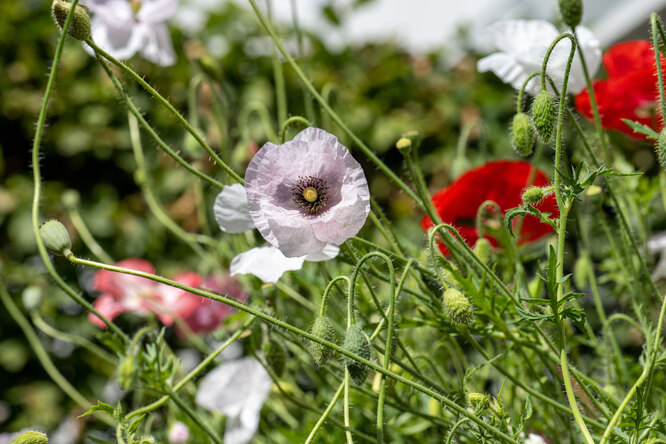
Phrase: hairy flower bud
x=482 y=250
x=533 y=195
x=128 y=370
x=79 y=27
x=322 y=327
x=357 y=342
x=457 y=306
x=478 y=400
x=543 y=114
x=522 y=134
x=660 y=149
x=30 y=437
x=275 y=356
x=55 y=237
x=404 y=145
x=572 y=12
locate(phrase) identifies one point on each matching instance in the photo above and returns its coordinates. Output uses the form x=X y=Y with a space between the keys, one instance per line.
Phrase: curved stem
x=290 y=121
x=193 y=416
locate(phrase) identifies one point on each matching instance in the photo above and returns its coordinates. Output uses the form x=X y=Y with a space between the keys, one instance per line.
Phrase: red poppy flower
x=503 y=182
x=629 y=92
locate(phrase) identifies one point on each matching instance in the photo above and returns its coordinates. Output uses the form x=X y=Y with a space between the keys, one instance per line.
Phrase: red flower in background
x=503 y=182
x=629 y=92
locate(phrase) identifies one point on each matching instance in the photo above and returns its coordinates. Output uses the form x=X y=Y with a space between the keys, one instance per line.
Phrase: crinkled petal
x=157 y=47
x=157 y=11
x=267 y=263
x=231 y=210
x=171 y=302
x=329 y=252
x=522 y=37
x=120 y=285
x=122 y=40
x=114 y=12
x=508 y=69
x=109 y=307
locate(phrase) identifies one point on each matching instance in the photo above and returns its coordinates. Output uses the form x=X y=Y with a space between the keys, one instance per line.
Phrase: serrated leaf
x=528 y=409
x=100 y=407
x=642 y=129
x=135 y=424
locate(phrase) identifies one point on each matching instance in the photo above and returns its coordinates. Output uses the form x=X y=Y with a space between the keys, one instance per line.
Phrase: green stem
x=348 y=434
x=87 y=237
x=290 y=121
x=449 y=437
x=193 y=416
x=327 y=412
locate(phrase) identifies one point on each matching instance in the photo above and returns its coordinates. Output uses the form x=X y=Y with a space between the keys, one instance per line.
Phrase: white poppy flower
x=238 y=390
x=124 y=27
x=533 y=438
x=522 y=45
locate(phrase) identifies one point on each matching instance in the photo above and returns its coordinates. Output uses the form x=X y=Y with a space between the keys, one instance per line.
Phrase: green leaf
x=100 y=407
x=642 y=129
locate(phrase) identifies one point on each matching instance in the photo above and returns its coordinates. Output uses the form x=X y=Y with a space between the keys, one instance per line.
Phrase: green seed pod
x=660 y=149
x=322 y=327
x=79 y=28
x=358 y=343
x=128 y=370
x=478 y=400
x=457 y=306
x=572 y=12
x=522 y=134
x=482 y=250
x=30 y=437
x=55 y=237
x=275 y=356
x=533 y=195
x=543 y=114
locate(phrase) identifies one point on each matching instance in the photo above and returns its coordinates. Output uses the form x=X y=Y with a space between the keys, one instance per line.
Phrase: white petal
x=157 y=11
x=231 y=210
x=533 y=438
x=657 y=242
x=328 y=252
x=158 y=48
x=591 y=48
x=509 y=70
x=267 y=263
x=522 y=37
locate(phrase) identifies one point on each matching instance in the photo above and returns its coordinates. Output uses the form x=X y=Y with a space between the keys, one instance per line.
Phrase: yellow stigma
x=135 y=5
x=310 y=194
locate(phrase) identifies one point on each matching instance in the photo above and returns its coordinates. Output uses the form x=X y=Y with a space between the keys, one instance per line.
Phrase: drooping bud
x=404 y=145
x=482 y=250
x=322 y=327
x=478 y=400
x=543 y=114
x=533 y=195
x=79 y=28
x=128 y=370
x=358 y=343
x=660 y=149
x=30 y=437
x=55 y=237
x=522 y=134
x=572 y=12
x=457 y=306
x=275 y=356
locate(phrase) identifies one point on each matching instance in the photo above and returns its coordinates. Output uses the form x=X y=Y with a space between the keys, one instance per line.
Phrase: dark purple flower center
x=310 y=194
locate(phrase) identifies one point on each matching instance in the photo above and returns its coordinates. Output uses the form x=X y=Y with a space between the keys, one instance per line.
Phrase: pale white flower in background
x=533 y=438
x=125 y=27
x=179 y=433
x=238 y=390
x=522 y=45
x=656 y=244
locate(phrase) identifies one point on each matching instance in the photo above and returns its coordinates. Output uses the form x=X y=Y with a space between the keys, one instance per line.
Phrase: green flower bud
x=275 y=356
x=70 y=199
x=572 y=12
x=660 y=149
x=30 y=437
x=322 y=327
x=414 y=136
x=404 y=145
x=533 y=195
x=522 y=134
x=358 y=343
x=482 y=250
x=55 y=237
x=128 y=370
x=457 y=306
x=79 y=28
x=543 y=114
x=478 y=400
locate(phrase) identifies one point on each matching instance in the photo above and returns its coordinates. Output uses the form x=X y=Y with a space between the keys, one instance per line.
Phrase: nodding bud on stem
x=482 y=250
x=478 y=400
x=322 y=327
x=55 y=237
x=533 y=195
x=457 y=306
x=660 y=149
x=522 y=134
x=31 y=437
x=572 y=12
x=357 y=342
x=543 y=114
x=79 y=28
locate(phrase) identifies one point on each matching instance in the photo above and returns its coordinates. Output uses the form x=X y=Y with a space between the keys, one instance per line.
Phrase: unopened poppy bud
x=522 y=134
x=478 y=400
x=533 y=195
x=128 y=370
x=322 y=327
x=404 y=145
x=572 y=12
x=414 y=136
x=457 y=306
x=275 y=356
x=660 y=149
x=482 y=250
x=55 y=237
x=70 y=199
x=543 y=114
x=30 y=437
x=79 y=27
x=357 y=342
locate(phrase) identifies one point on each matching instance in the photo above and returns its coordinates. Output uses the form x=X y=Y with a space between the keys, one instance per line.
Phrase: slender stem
x=290 y=121
x=327 y=412
x=449 y=437
x=193 y=416
x=348 y=434
x=278 y=77
x=87 y=237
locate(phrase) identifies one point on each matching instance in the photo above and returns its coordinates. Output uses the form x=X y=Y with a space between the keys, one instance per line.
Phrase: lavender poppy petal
x=158 y=48
x=267 y=263
x=157 y=11
x=328 y=252
x=231 y=211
